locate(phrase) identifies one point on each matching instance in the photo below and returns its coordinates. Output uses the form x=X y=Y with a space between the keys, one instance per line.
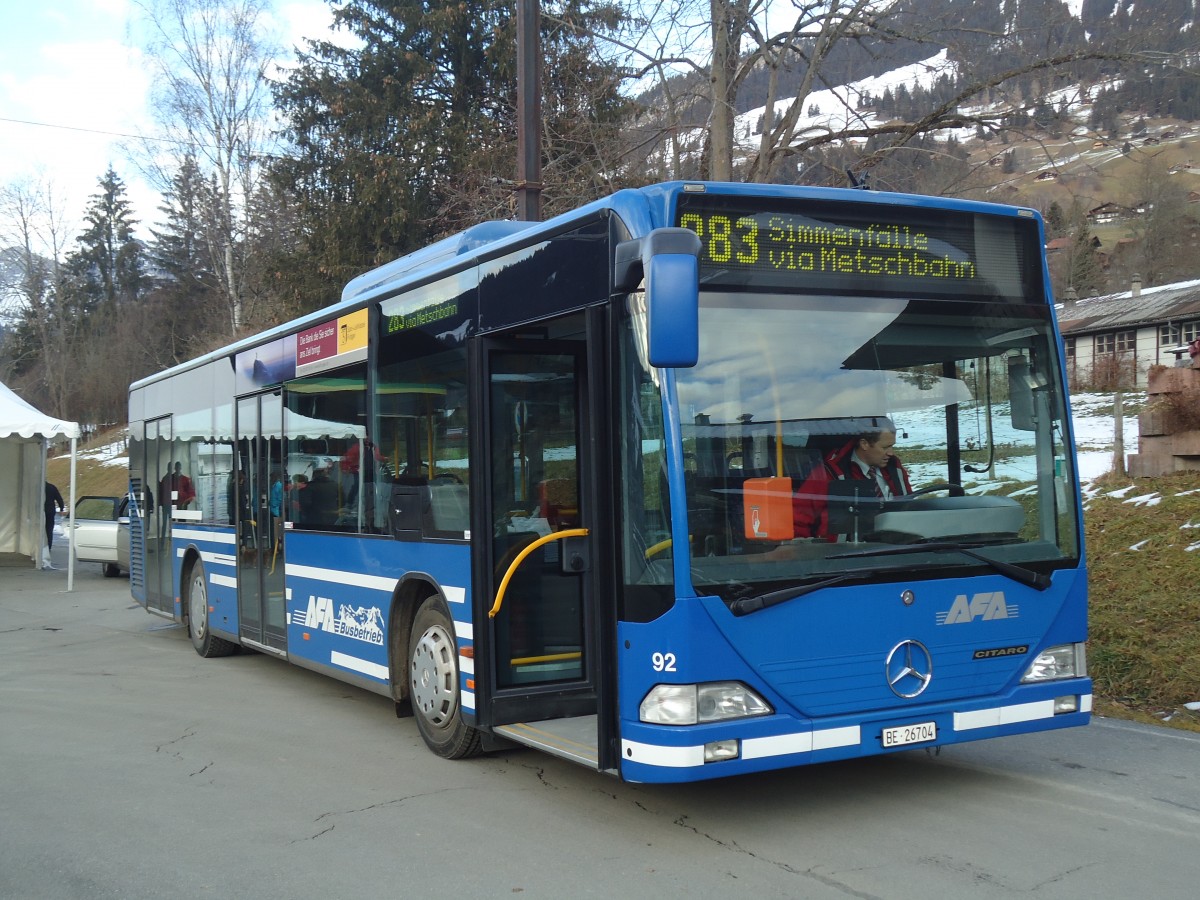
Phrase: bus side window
x=421 y=430
x=448 y=503
x=324 y=423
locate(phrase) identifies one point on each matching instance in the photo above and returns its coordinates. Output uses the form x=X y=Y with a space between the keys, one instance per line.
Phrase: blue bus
x=581 y=485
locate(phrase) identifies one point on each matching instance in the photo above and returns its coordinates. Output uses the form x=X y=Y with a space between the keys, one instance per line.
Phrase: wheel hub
x=198 y=606
x=434 y=677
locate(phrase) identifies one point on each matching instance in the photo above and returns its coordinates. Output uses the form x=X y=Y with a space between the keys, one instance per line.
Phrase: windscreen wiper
x=1017 y=573
x=745 y=605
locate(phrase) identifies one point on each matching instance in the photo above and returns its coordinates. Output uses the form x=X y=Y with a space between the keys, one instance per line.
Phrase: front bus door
x=156 y=510
x=260 y=526
x=540 y=490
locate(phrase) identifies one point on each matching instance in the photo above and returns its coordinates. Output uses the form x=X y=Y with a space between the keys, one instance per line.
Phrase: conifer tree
x=1085 y=272
x=409 y=133
x=179 y=251
x=186 y=300
x=107 y=266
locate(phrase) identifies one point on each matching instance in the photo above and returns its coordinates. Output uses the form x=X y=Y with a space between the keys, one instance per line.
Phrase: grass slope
x=1143 y=548
x=91 y=476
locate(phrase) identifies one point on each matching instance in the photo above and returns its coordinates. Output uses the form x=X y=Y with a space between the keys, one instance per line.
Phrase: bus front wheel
x=433 y=684
x=203 y=640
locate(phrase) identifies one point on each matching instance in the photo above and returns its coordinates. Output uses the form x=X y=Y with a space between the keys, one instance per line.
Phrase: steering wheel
x=954 y=490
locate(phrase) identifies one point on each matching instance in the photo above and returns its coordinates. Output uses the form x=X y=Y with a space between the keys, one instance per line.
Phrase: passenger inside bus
x=864 y=466
x=319 y=500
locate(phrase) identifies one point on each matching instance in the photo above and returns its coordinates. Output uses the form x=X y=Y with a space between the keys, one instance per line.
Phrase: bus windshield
x=959 y=401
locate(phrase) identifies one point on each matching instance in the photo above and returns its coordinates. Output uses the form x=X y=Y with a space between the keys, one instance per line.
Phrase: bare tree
x=213 y=101
x=40 y=339
x=662 y=40
x=1165 y=231
x=997 y=69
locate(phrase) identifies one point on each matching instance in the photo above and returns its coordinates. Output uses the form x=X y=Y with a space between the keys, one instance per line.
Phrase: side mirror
x=671 y=271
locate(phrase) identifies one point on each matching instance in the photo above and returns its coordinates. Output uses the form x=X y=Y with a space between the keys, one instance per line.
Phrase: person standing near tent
x=54 y=501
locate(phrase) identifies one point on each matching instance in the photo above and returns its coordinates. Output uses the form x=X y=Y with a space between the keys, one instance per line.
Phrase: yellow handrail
x=655 y=549
x=540 y=542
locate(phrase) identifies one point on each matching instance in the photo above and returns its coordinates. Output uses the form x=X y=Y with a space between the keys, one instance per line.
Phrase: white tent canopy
x=24 y=435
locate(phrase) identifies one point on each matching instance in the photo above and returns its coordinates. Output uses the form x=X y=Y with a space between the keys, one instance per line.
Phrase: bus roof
x=641 y=210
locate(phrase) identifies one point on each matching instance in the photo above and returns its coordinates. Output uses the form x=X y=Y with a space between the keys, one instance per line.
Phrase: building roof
x=1110 y=312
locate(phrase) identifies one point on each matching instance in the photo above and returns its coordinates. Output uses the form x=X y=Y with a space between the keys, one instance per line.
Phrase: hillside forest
x=279 y=185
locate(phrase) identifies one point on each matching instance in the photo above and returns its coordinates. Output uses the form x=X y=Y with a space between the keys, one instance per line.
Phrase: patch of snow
x=1093 y=464
x=838 y=107
x=113 y=454
x=1145 y=500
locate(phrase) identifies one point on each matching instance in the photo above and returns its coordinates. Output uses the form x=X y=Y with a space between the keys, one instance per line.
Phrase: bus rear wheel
x=203 y=640
x=433 y=684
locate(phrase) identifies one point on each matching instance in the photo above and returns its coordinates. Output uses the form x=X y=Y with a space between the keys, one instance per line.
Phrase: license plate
x=910 y=734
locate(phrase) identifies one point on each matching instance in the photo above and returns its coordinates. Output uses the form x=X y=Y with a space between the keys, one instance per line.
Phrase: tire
x=196 y=603
x=111 y=570
x=433 y=684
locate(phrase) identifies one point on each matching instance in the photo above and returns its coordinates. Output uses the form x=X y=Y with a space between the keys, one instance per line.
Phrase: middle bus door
x=541 y=656
x=261 y=609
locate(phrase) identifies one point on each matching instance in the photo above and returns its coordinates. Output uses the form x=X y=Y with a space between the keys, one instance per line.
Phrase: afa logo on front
x=357 y=622
x=983 y=606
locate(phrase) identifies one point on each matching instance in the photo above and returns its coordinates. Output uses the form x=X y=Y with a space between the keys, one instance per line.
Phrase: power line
x=122 y=134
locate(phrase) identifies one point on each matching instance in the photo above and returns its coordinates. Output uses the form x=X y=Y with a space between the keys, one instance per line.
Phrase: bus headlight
x=1054 y=663
x=693 y=704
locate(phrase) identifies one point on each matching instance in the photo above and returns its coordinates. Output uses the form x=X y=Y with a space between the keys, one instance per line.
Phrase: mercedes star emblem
x=909 y=669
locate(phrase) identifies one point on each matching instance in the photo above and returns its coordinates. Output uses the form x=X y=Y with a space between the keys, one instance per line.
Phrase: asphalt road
x=130 y=768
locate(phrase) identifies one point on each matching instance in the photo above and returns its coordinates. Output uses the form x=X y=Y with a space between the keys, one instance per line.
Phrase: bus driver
x=868 y=457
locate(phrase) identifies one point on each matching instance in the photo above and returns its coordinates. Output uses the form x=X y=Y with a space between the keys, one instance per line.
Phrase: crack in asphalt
x=191 y=732
x=839 y=886
x=373 y=806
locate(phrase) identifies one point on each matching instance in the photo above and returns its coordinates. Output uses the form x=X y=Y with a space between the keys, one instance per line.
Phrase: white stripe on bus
x=195 y=534
x=216 y=559
x=359 y=665
x=667 y=757
x=824 y=739
x=1010 y=715
x=337 y=576
x=804 y=742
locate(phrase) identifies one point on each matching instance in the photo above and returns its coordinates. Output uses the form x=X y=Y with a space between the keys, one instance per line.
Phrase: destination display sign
x=863 y=247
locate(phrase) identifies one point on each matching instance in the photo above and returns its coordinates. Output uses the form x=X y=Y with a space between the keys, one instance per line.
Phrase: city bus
x=538 y=484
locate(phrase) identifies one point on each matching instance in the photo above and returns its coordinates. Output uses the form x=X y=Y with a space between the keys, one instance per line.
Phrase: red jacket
x=181 y=485
x=810 y=507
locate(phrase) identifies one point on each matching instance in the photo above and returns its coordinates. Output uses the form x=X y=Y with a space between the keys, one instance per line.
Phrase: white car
x=102 y=533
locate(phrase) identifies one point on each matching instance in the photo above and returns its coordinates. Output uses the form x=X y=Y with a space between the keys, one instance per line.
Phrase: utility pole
x=1119 y=431
x=529 y=111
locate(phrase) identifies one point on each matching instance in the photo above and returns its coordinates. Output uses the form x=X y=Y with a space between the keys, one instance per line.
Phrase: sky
x=74 y=88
